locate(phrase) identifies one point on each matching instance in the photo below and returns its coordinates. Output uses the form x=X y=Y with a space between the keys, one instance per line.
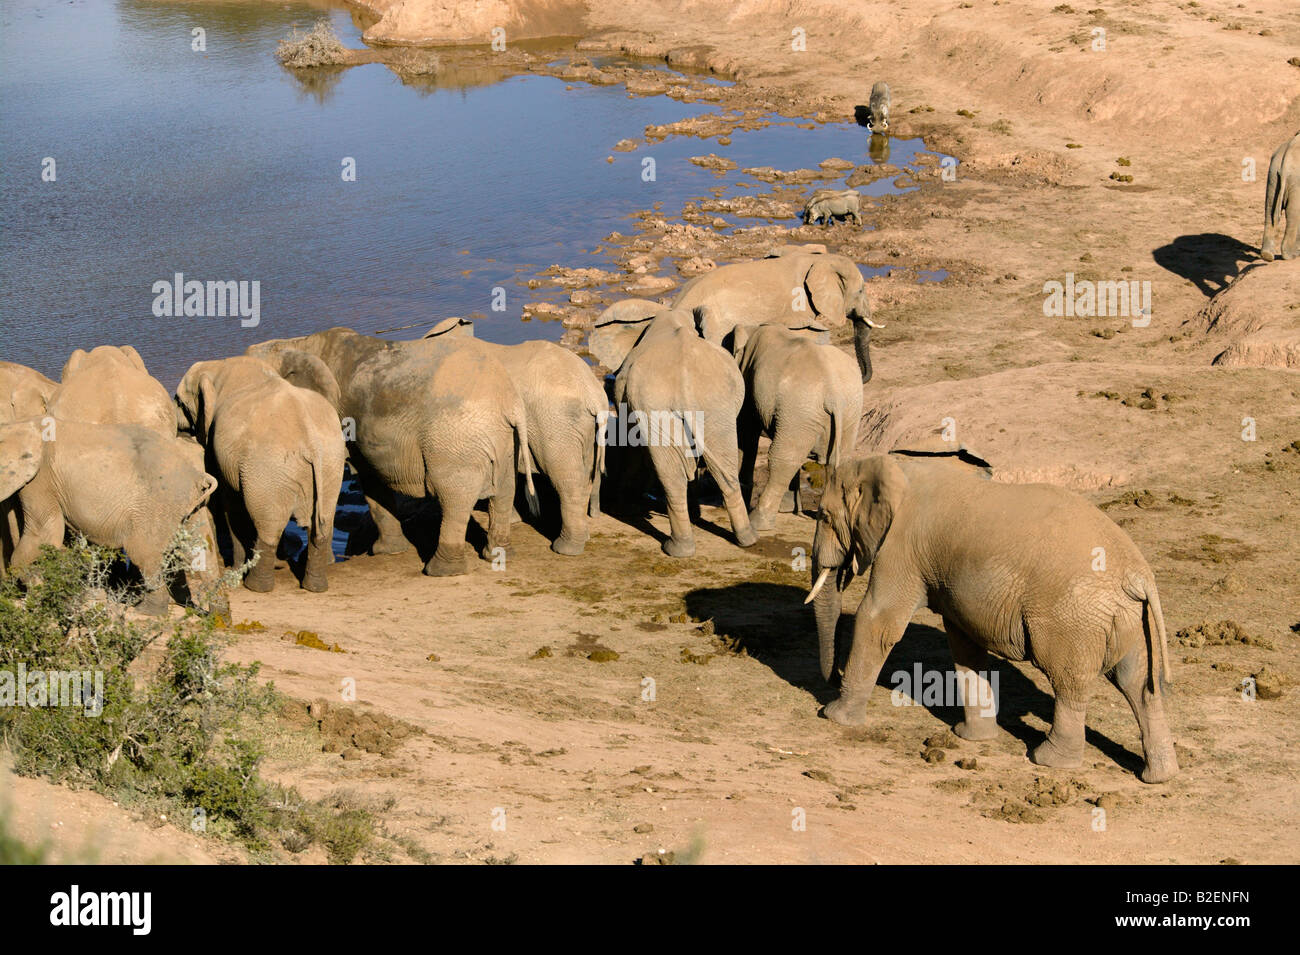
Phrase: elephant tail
x=1143 y=588
x=524 y=459
x=602 y=429
x=322 y=508
x=834 y=437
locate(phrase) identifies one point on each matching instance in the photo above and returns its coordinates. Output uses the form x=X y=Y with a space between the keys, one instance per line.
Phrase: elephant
x=795 y=287
x=278 y=451
x=1282 y=198
x=826 y=205
x=680 y=396
x=24 y=393
x=110 y=385
x=422 y=419
x=1030 y=572
x=878 y=108
x=567 y=418
x=121 y=486
x=803 y=394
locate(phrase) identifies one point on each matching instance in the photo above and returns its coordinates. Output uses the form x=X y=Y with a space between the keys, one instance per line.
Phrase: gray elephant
x=678 y=396
x=827 y=205
x=878 y=108
x=1282 y=199
x=121 y=486
x=24 y=393
x=279 y=453
x=110 y=385
x=803 y=394
x=567 y=415
x=795 y=287
x=1029 y=572
x=422 y=419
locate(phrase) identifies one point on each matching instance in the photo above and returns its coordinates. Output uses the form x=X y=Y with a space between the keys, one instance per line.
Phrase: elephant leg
x=748 y=430
x=238 y=526
x=671 y=470
x=875 y=631
x=320 y=554
x=39 y=527
x=784 y=458
x=499 y=507
x=1266 y=245
x=156 y=600
x=720 y=457
x=268 y=521
x=457 y=504
x=1063 y=748
x=261 y=576
x=575 y=496
x=1289 y=246
x=979 y=706
x=1131 y=677
x=391 y=540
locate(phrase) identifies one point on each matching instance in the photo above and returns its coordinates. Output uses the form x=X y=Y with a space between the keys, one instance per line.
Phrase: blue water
x=222 y=165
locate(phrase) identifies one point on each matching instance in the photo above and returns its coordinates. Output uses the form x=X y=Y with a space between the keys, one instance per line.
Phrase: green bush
x=178 y=736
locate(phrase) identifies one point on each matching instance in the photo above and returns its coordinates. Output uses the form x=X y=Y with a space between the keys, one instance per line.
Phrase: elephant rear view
x=1282 y=200
x=121 y=486
x=682 y=395
x=423 y=419
x=279 y=453
x=804 y=395
x=110 y=385
x=567 y=413
x=1029 y=572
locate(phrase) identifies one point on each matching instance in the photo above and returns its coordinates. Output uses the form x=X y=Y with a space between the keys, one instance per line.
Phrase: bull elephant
x=110 y=385
x=422 y=419
x=121 y=486
x=803 y=394
x=1282 y=199
x=1029 y=572
x=24 y=393
x=795 y=288
x=679 y=396
x=567 y=415
x=278 y=451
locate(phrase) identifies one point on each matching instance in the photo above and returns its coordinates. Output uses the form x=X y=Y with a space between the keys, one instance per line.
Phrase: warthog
x=826 y=205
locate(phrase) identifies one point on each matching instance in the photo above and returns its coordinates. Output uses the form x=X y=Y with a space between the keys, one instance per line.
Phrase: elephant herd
x=742 y=351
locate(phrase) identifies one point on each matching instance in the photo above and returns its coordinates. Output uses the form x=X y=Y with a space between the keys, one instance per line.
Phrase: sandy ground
x=730 y=753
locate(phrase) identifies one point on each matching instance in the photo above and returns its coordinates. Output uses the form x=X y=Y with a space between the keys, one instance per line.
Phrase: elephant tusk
x=871 y=324
x=816 y=587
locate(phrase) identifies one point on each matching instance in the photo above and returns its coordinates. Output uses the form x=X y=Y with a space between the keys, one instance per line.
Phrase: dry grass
x=320 y=46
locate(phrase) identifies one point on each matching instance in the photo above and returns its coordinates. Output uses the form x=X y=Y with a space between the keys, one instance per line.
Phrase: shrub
x=319 y=46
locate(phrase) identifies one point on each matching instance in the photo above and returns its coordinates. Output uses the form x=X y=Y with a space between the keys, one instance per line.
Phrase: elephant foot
x=569 y=546
x=218 y=606
x=155 y=603
x=259 y=583
x=390 y=545
x=746 y=536
x=1049 y=754
x=847 y=711
x=315 y=583
x=491 y=551
x=439 y=567
x=677 y=548
x=976 y=730
x=1289 y=254
x=1266 y=255
x=1160 y=770
x=761 y=520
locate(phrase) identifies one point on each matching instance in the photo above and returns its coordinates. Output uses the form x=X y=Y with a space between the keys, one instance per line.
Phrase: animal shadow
x=1211 y=260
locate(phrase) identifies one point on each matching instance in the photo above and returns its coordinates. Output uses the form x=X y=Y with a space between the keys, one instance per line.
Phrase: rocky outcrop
x=1257 y=317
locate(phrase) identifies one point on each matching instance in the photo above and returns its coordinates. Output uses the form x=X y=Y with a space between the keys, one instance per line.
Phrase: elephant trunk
x=826 y=609
x=862 y=347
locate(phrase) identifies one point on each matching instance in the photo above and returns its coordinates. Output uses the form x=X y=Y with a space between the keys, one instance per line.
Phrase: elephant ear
x=825 y=286
x=27 y=402
x=20 y=456
x=618 y=328
x=73 y=363
x=873 y=490
x=452 y=327
x=133 y=357
x=713 y=324
x=740 y=336
x=305 y=370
